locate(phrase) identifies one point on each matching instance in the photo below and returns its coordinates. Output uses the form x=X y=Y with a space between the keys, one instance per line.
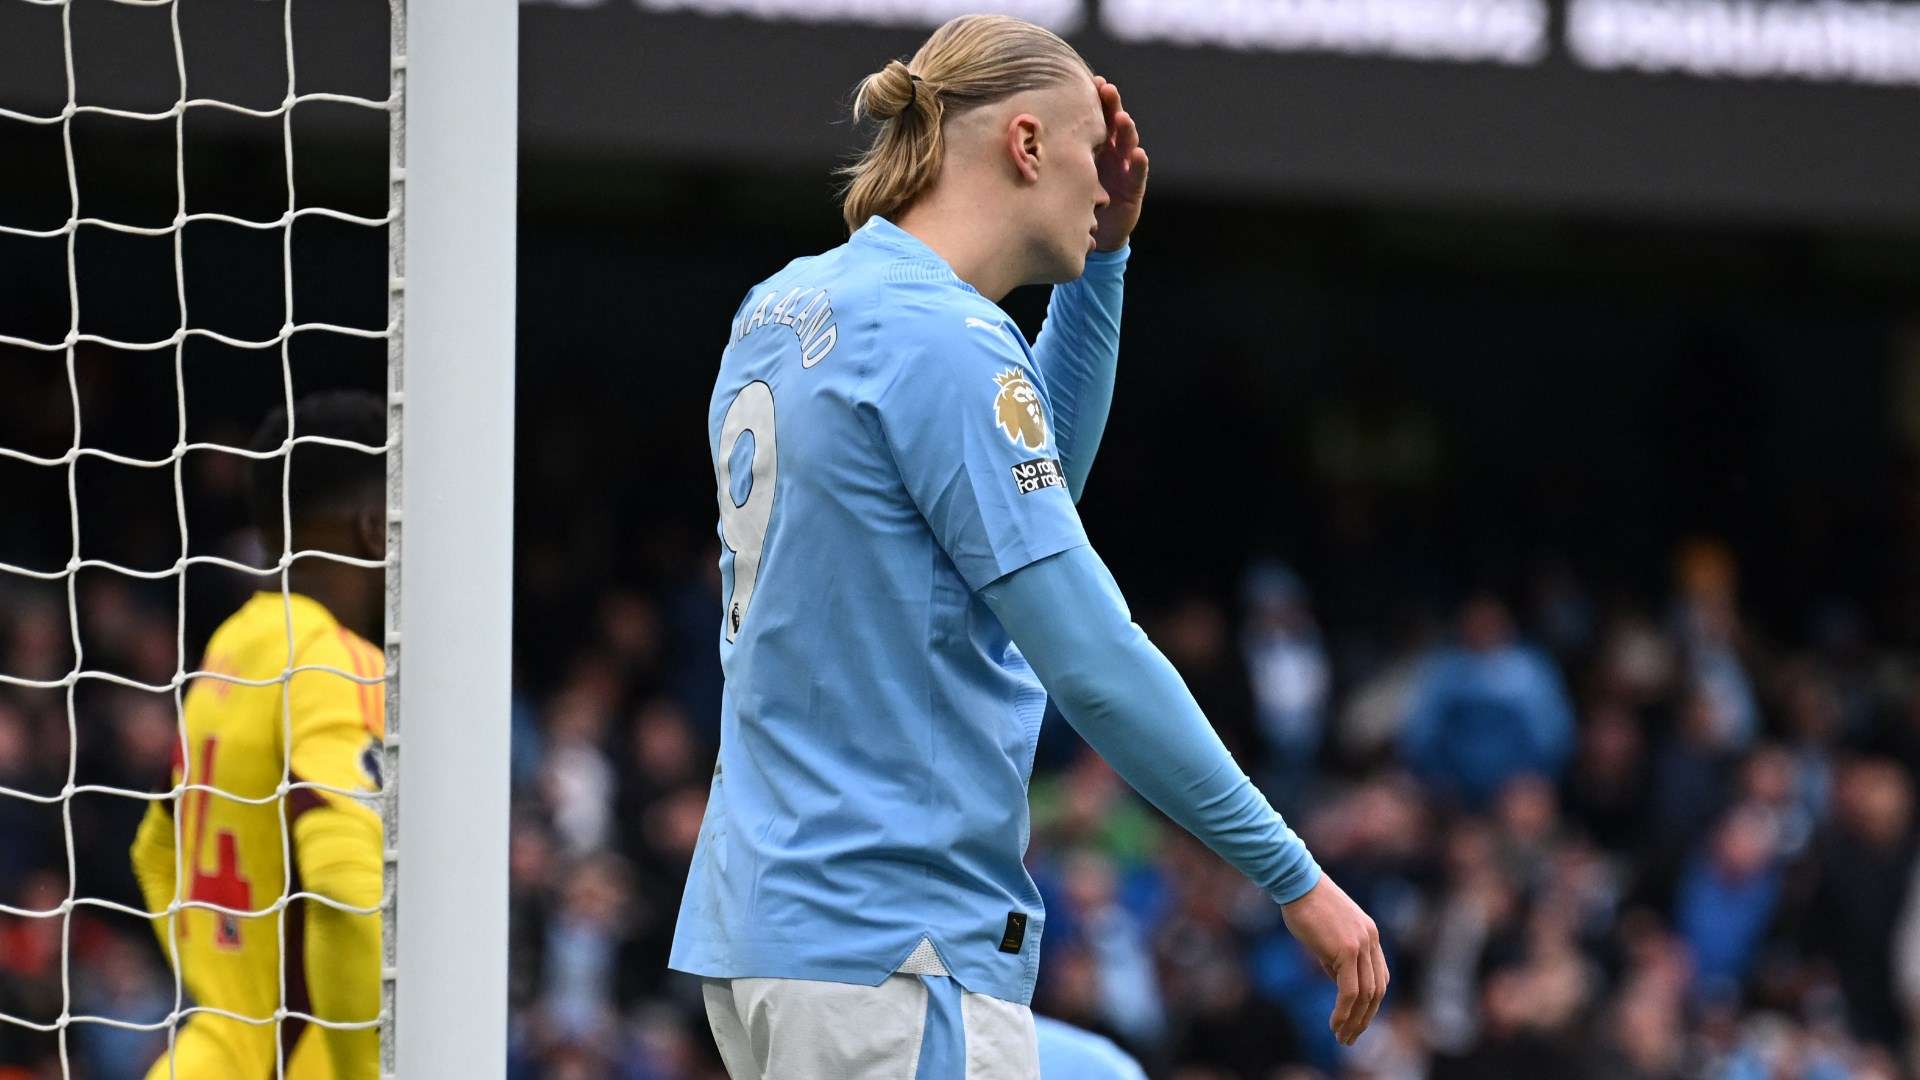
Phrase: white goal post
x=450 y=223
x=448 y=635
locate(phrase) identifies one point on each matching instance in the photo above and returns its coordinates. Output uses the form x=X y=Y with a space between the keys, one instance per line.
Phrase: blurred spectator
x=531 y=872
x=1561 y=610
x=1607 y=784
x=583 y=943
x=1637 y=666
x=1865 y=868
x=1202 y=946
x=1645 y=1038
x=1530 y=841
x=1478 y=903
x=1376 y=712
x=1128 y=991
x=1771 y=784
x=1291 y=679
x=30 y=966
x=1709 y=621
x=662 y=755
x=1727 y=898
x=576 y=777
x=120 y=981
x=1527 y=1010
x=1087 y=805
x=39 y=646
x=1486 y=710
x=16 y=815
x=1194 y=635
x=662 y=783
x=1906 y=964
x=1897 y=735
x=1814 y=732
x=1691 y=776
x=527 y=738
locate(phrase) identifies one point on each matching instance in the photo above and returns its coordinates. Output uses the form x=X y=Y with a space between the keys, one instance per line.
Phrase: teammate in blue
x=905 y=581
x=1071 y=1053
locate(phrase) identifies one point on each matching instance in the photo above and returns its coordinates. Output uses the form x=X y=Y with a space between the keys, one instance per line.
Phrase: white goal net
x=93 y=622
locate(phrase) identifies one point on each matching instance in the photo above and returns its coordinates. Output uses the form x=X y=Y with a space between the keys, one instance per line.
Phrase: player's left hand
x=1123 y=172
x=1347 y=944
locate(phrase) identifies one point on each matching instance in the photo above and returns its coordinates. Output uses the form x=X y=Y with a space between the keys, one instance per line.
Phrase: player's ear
x=270 y=543
x=370 y=530
x=1023 y=146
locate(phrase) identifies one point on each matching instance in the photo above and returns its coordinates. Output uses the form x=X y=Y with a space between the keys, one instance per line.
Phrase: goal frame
x=450 y=511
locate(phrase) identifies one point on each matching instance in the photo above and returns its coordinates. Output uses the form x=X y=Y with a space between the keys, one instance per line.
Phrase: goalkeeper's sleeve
x=338 y=843
x=338 y=852
x=1066 y=614
x=153 y=867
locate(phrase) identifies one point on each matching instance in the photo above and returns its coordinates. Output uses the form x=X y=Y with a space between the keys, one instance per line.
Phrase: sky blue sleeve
x=970 y=430
x=1067 y=616
x=1078 y=352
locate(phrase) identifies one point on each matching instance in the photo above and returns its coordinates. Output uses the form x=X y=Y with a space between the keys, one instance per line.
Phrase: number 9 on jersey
x=743 y=524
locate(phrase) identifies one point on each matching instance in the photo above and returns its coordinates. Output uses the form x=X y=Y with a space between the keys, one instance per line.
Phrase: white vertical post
x=452 y=387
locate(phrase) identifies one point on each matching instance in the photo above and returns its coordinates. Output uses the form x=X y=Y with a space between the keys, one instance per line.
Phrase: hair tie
x=913 y=92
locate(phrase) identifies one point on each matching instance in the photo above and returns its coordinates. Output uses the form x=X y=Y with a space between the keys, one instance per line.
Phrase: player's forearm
x=343 y=982
x=1079 y=353
x=1124 y=697
x=338 y=850
x=153 y=867
x=337 y=845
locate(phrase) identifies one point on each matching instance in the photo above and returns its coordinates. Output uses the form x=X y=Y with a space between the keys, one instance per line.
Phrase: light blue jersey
x=883 y=443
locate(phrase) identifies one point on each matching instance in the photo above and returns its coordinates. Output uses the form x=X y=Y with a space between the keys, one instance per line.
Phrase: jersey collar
x=884 y=235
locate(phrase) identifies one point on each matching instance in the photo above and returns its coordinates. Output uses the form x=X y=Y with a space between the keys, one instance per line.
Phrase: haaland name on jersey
x=813 y=323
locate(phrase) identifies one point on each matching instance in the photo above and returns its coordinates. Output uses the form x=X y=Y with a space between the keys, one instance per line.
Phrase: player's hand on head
x=1123 y=171
x=1347 y=944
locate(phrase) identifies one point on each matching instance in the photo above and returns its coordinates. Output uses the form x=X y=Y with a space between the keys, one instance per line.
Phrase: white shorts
x=911 y=1027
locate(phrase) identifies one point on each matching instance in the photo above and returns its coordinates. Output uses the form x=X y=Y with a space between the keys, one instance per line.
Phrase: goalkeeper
x=238 y=741
x=905 y=578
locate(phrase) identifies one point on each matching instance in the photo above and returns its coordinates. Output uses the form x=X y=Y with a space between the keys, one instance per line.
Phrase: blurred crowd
x=1601 y=839
x=1631 y=832
x=1632 y=842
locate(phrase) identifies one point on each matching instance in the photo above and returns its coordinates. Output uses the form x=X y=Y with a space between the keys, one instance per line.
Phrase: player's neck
x=971 y=240
x=344 y=591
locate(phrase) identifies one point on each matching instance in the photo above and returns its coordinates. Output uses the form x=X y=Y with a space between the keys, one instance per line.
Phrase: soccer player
x=905 y=579
x=320 y=728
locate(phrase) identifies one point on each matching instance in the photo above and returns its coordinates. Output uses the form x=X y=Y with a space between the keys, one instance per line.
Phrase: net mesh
x=271 y=348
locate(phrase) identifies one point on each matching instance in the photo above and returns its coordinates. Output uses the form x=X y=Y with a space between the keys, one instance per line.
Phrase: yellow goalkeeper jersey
x=244 y=856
